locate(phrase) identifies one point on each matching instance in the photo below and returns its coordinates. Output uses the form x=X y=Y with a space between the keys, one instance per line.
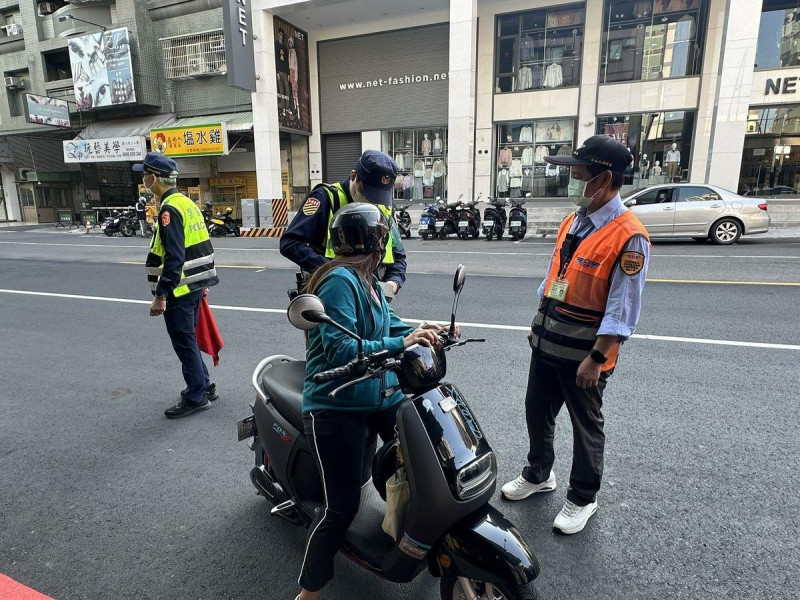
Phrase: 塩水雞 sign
x=191 y=140
x=105 y=150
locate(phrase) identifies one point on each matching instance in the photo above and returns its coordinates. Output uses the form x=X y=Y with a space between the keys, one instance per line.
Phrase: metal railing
x=195 y=55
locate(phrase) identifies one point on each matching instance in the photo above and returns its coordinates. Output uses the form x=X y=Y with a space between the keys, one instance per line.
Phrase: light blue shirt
x=625 y=296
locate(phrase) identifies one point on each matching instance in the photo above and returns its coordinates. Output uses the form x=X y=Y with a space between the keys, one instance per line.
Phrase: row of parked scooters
x=126 y=223
x=463 y=219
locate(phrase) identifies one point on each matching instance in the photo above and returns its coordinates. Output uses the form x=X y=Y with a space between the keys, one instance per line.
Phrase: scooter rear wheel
x=442 y=235
x=459 y=588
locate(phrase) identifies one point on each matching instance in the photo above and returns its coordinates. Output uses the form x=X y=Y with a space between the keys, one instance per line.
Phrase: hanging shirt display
x=526 y=134
x=419 y=167
x=551 y=170
x=502 y=181
x=553 y=76
x=427 y=178
x=527 y=180
x=527 y=156
x=525 y=78
x=515 y=182
x=526 y=48
x=540 y=153
x=565 y=150
x=516 y=168
x=439 y=169
x=504 y=158
x=398 y=158
x=537 y=77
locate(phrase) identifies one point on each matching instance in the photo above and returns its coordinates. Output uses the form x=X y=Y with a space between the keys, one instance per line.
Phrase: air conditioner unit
x=44 y=9
x=14 y=83
x=12 y=29
x=27 y=175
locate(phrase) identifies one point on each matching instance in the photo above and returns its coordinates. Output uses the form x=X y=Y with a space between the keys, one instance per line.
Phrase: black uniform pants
x=180 y=318
x=550 y=385
x=339 y=440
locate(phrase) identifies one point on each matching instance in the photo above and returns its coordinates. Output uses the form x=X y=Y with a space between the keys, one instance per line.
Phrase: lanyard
x=568 y=248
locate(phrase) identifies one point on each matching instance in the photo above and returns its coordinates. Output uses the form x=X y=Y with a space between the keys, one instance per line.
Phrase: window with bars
x=196 y=55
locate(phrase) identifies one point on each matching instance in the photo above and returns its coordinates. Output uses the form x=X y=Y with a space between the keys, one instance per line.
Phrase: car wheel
x=726 y=231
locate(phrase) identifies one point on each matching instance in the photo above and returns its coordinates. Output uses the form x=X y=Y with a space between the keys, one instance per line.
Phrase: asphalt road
x=101 y=496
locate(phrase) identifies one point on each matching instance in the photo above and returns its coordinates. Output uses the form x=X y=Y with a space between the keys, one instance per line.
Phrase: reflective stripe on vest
x=198 y=265
x=388 y=257
x=567 y=330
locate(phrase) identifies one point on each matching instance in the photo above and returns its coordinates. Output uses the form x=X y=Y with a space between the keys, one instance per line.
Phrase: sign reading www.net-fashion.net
x=400 y=80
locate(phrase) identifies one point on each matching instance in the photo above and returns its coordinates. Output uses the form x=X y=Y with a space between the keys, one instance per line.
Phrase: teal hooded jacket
x=348 y=301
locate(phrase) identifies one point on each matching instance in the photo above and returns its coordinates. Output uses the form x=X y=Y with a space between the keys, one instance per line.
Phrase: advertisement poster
x=105 y=150
x=193 y=140
x=101 y=69
x=291 y=64
x=47 y=111
x=559 y=130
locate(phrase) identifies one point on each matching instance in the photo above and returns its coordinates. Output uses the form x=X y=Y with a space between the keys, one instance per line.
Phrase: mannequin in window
x=673 y=161
x=426 y=145
x=437 y=143
x=657 y=169
x=644 y=167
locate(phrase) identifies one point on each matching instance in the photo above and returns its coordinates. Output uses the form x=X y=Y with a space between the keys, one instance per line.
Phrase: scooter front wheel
x=461 y=588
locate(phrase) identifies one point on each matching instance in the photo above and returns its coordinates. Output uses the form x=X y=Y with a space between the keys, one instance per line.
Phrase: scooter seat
x=283 y=383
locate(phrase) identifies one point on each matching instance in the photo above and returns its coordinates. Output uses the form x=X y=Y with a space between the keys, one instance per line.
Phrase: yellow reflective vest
x=198 y=266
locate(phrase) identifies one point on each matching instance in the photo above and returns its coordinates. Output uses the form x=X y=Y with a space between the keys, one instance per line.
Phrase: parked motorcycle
x=222 y=225
x=449 y=528
x=494 y=219
x=469 y=219
x=124 y=223
x=518 y=218
x=427 y=221
x=403 y=220
x=446 y=217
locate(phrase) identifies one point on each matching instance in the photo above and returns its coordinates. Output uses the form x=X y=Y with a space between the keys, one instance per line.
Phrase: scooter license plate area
x=245 y=428
x=440 y=223
x=463 y=223
x=488 y=223
x=516 y=223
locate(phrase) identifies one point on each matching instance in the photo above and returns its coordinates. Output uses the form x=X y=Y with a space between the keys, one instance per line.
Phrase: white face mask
x=355 y=194
x=577 y=192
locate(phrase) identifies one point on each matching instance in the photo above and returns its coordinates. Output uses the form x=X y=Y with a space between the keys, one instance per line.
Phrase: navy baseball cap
x=377 y=171
x=158 y=165
x=599 y=151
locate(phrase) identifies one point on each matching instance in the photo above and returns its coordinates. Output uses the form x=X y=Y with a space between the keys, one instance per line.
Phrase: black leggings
x=339 y=440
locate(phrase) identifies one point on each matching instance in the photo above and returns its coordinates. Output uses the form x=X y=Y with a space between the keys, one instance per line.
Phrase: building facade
x=699 y=90
x=122 y=69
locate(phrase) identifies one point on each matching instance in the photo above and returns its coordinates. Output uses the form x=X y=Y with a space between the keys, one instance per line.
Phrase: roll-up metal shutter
x=341 y=152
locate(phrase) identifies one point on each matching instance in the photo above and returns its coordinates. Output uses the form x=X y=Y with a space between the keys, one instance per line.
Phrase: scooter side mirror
x=458 y=285
x=306 y=311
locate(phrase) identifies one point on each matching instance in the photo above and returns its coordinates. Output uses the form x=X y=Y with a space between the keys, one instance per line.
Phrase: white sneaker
x=521 y=488
x=573 y=518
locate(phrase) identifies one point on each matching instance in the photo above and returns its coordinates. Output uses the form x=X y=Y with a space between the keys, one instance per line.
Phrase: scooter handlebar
x=332 y=374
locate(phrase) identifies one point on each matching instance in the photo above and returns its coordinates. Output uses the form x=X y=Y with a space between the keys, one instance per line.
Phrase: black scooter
x=518 y=218
x=494 y=219
x=446 y=217
x=450 y=528
x=124 y=223
x=222 y=225
x=403 y=221
x=469 y=219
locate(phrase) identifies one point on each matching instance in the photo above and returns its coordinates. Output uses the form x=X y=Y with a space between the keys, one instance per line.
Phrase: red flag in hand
x=209 y=339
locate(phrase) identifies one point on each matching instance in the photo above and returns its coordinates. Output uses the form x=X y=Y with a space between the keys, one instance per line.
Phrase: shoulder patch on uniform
x=631 y=262
x=165 y=218
x=311 y=206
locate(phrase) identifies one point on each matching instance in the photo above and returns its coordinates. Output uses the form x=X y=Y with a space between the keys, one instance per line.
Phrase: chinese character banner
x=119 y=149
x=196 y=140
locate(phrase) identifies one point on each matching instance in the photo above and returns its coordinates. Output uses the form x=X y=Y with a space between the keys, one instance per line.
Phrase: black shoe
x=185 y=408
x=211 y=392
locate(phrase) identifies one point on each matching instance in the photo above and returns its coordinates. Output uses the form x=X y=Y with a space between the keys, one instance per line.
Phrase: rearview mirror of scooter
x=458 y=285
x=307 y=311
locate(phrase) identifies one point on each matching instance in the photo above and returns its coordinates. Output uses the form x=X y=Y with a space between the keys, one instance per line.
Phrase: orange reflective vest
x=566 y=330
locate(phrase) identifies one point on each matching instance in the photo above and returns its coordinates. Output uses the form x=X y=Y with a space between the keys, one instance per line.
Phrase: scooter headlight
x=476 y=477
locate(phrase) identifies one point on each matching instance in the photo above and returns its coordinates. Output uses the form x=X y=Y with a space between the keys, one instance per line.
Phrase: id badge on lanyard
x=558 y=288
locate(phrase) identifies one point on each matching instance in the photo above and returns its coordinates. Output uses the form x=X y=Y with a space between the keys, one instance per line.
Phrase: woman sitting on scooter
x=338 y=428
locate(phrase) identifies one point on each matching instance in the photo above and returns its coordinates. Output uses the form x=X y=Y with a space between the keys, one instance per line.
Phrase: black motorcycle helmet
x=359 y=228
x=208 y=204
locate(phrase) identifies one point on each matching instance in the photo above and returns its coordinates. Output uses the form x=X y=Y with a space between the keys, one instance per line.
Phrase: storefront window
x=771 y=156
x=652 y=39
x=539 y=49
x=659 y=142
x=523 y=146
x=421 y=157
x=778 y=35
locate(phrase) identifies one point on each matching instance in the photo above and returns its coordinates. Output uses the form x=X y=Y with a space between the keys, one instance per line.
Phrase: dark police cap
x=377 y=171
x=158 y=165
x=599 y=151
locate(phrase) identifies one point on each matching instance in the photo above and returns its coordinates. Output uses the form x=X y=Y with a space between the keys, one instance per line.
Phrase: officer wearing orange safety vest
x=589 y=305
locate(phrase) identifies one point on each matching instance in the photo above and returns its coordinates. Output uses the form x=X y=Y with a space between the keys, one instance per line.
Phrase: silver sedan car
x=698 y=211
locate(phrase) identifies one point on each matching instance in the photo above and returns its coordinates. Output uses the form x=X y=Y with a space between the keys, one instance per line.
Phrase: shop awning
x=239 y=122
x=126 y=127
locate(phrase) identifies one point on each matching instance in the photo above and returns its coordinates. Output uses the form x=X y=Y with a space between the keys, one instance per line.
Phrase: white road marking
x=495 y=326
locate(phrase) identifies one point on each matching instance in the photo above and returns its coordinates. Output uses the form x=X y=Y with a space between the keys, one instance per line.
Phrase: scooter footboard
x=486 y=547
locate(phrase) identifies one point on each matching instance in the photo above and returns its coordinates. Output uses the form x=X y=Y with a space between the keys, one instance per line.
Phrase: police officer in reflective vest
x=307 y=240
x=589 y=305
x=180 y=266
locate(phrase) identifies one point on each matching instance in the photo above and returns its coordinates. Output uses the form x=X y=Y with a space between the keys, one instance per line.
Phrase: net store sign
x=781 y=85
